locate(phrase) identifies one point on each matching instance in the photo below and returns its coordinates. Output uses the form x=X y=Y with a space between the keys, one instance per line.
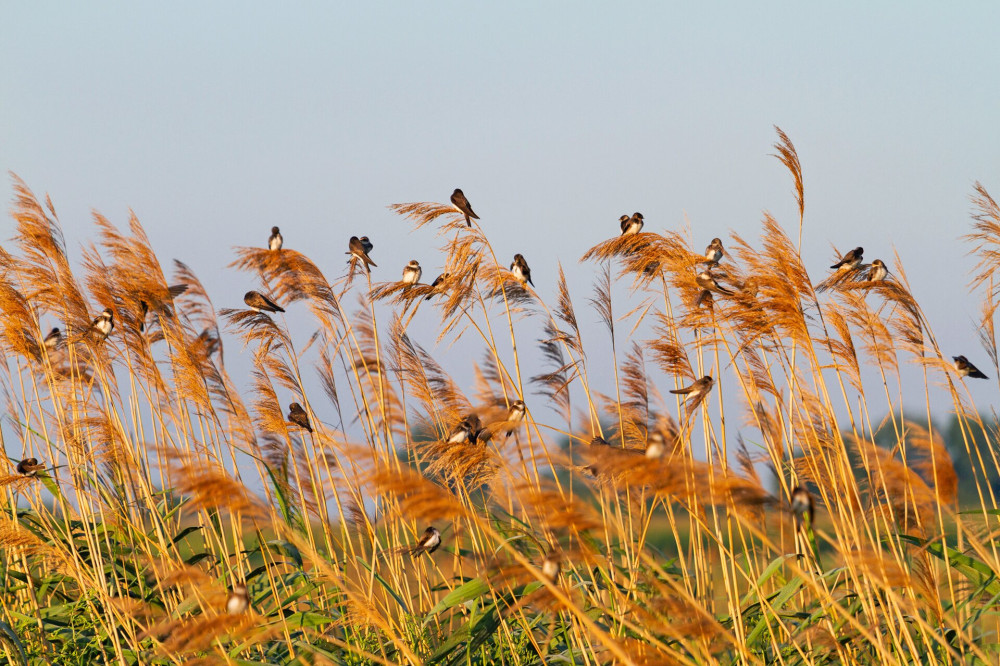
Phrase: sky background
x=215 y=121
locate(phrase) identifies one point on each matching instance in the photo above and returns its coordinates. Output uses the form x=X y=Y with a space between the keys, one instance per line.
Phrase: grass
x=165 y=487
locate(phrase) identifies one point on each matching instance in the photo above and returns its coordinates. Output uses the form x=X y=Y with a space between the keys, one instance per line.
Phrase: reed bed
x=796 y=517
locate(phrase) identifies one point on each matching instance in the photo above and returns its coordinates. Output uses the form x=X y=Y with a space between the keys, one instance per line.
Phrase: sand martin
x=367 y=244
x=467 y=430
x=877 y=272
x=298 y=416
x=850 y=260
x=412 y=272
x=461 y=203
x=29 y=467
x=551 y=567
x=696 y=391
x=631 y=225
x=515 y=415
x=801 y=504
x=713 y=253
x=239 y=600
x=103 y=324
x=53 y=340
x=360 y=250
x=655 y=446
x=520 y=269
x=966 y=369
x=261 y=303
x=429 y=542
x=709 y=283
x=437 y=285
x=275 y=241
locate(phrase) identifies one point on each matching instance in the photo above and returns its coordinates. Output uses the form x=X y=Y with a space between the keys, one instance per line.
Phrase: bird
x=467 y=430
x=709 y=283
x=103 y=324
x=367 y=244
x=655 y=446
x=239 y=600
x=877 y=272
x=143 y=313
x=298 y=416
x=713 y=253
x=428 y=543
x=515 y=415
x=29 y=467
x=360 y=250
x=551 y=567
x=520 y=269
x=275 y=241
x=850 y=260
x=802 y=505
x=697 y=390
x=437 y=285
x=966 y=369
x=461 y=203
x=53 y=340
x=597 y=440
x=261 y=303
x=412 y=272
x=631 y=225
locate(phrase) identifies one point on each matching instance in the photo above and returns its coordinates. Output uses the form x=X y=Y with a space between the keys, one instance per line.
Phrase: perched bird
x=53 y=340
x=467 y=430
x=850 y=260
x=704 y=298
x=802 y=505
x=697 y=391
x=239 y=600
x=631 y=225
x=298 y=416
x=713 y=253
x=275 y=241
x=966 y=369
x=143 y=313
x=520 y=269
x=877 y=272
x=551 y=567
x=597 y=440
x=29 y=467
x=261 y=303
x=655 y=446
x=367 y=244
x=437 y=285
x=461 y=203
x=412 y=272
x=360 y=250
x=103 y=324
x=515 y=415
x=709 y=283
x=428 y=543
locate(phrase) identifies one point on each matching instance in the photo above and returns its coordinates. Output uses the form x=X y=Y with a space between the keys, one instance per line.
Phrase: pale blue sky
x=214 y=121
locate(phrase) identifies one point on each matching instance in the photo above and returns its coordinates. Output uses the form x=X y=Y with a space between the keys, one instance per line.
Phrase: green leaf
x=978 y=573
x=474 y=589
x=385 y=584
x=8 y=634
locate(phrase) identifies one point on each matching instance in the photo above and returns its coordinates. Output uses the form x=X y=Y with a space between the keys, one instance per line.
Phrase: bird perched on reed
x=260 y=303
x=298 y=416
x=515 y=414
x=850 y=260
x=655 y=445
x=53 y=340
x=467 y=430
x=238 y=601
x=428 y=543
x=801 y=503
x=708 y=282
x=631 y=225
x=697 y=391
x=359 y=249
x=520 y=270
x=412 y=272
x=877 y=271
x=275 y=240
x=29 y=467
x=462 y=204
x=714 y=252
x=966 y=369
x=437 y=285
x=103 y=324
x=551 y=567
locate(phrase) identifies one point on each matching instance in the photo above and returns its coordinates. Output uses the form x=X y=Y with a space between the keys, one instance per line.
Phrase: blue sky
x=215 y=122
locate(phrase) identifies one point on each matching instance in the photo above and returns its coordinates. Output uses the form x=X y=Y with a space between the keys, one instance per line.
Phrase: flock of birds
x=470 y=429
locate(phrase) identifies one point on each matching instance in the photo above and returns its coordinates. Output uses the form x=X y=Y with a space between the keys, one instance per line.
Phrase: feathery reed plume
x=210 y=487
x=790 y=158
x=419 y=499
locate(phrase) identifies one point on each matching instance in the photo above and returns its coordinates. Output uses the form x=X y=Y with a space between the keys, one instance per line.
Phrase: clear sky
x=214 y=121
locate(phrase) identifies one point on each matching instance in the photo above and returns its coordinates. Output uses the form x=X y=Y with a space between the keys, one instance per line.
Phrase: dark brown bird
x=261 y=303
x=515 y=415
x=714 y=251
x=520 y=269
x=358 y=250
x=707 y=282
x=275 y=241
x=103 y=324
x=53 y=340
x=850 y=260
x=467 y=430
x=631 y=225
x=428 y=543
x=298 y=416
x=29 y=467
x=461 y=203
x=437 y=285
x=966 y=369
x=697 y=391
